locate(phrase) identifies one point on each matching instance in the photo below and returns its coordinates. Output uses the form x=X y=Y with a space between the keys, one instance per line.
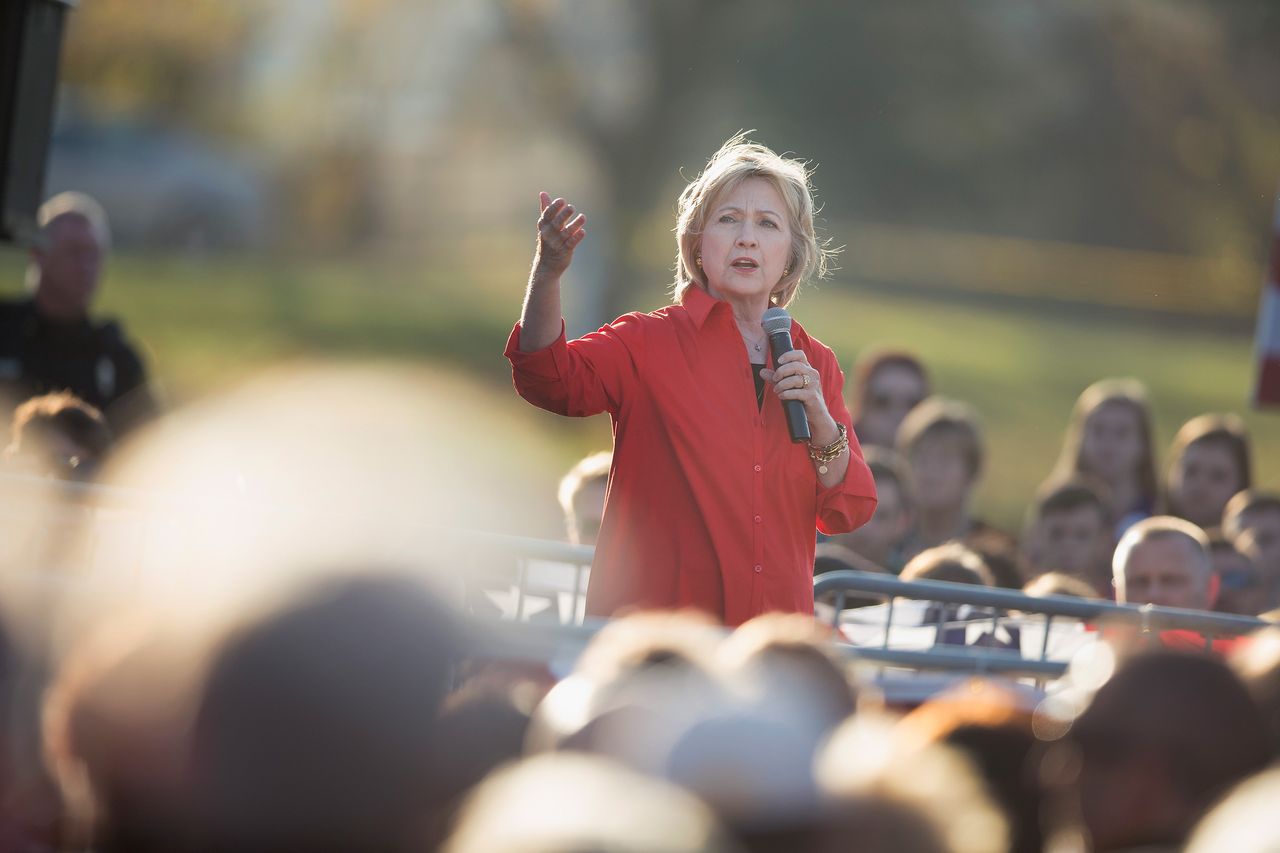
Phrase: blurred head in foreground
x=116 y=721
x=314 y=729
x=635 y=673
x=58 y=435
x=736 y=722
x=786 y=663
x=567 y=803
x=887 y=793
x=1244 y=822
x=1166 y=736
x=1164 y=561
x=990 y=723
x=752 y=760
x=1257 y=662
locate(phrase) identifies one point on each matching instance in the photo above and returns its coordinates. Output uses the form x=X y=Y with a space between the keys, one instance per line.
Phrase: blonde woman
x=1110 y=440
x=710 y=504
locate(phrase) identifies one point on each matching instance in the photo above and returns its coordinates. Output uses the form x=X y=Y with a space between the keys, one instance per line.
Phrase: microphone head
x=776 y=320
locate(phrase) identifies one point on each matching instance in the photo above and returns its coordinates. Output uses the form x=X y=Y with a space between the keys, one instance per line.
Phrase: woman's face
x=1113 y=445
x=1202 y=482
x=892 y=391
x=940 y=473
x=746 y=242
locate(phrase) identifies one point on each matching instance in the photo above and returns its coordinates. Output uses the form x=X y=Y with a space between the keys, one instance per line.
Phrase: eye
x=727 y=218
x=769 y=223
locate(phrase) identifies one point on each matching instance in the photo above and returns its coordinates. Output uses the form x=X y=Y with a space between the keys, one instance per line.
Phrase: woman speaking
x=711 y=504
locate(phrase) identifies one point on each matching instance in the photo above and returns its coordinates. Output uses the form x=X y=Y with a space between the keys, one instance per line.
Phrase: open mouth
x=745 y=264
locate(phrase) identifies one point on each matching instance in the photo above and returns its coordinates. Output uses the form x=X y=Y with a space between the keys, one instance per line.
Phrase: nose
x=746 y=235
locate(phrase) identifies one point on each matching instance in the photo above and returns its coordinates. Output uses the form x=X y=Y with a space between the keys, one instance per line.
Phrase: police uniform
x=92 y=359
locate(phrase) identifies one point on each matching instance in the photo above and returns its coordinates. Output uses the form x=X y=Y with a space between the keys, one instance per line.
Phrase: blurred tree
x=1139 y=125
x=632 y=99
x=1148 y=124
x=179 y=61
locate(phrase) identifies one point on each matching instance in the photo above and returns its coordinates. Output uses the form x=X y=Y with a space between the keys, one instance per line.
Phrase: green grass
x=207 y=323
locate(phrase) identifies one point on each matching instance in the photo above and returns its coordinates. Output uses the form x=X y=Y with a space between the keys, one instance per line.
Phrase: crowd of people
x=362 y=714
x=365 y=713
x=1096 y=525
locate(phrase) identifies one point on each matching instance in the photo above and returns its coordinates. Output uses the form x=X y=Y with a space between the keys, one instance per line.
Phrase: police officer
x=48 y=342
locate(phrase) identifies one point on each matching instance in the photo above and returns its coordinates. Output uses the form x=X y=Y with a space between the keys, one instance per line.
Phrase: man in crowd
x=49 y=342
x=1164 y=561
x=1068 y=530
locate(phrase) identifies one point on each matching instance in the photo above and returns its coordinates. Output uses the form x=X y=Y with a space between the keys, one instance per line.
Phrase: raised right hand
x=559 y=233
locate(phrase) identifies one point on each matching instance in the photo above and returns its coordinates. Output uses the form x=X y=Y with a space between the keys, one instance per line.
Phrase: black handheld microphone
x=777 y=325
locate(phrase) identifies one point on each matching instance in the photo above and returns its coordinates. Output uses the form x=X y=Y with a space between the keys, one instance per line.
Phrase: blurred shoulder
x=16 y=307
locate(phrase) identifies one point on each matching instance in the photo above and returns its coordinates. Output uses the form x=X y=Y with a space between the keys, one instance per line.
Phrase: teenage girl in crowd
x=1109 y=439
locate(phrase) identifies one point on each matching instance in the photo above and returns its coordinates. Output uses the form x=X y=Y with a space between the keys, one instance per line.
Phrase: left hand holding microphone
x=796 y=379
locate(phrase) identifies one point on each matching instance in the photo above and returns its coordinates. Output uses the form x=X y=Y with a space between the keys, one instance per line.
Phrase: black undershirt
x=755 y=374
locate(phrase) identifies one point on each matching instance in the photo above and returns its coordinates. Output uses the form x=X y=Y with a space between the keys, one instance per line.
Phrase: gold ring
x=805 y=377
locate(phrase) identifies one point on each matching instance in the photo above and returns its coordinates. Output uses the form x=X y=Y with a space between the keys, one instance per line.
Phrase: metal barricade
x=999 y=608
x=543 y=569
x=529 y=570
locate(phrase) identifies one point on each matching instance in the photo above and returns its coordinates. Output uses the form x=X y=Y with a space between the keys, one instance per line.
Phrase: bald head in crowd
x=1164 y=561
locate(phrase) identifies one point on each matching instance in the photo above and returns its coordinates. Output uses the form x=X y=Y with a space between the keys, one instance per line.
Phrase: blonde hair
x=737 y=160
x=584 y=471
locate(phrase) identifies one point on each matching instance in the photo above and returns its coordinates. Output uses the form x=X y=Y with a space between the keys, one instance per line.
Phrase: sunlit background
x=1031 y=196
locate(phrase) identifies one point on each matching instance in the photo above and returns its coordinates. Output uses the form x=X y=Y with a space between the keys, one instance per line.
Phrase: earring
x=786 y=272
x=698 y=261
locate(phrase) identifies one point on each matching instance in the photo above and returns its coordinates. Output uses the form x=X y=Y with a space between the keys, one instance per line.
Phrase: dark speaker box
x=30 y=42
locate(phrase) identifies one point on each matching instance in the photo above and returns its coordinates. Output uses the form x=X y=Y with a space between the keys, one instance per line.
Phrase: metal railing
x=996 y=607
x=521 y=559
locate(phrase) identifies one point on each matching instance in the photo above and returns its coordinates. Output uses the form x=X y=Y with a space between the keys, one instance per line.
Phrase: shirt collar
x=698 y=303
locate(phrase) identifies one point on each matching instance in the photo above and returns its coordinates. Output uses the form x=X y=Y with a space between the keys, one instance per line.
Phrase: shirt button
x=759 y=519
x=759 y=569
x=758 y=468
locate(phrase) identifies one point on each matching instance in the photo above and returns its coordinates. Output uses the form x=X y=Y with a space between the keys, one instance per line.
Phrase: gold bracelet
x=826 y=454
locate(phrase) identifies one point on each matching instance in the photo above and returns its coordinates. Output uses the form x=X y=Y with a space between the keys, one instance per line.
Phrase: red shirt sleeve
x=581 y=377
x=849 y=504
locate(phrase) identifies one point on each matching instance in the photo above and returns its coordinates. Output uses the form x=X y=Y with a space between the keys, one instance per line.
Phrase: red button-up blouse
x=709 y=504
